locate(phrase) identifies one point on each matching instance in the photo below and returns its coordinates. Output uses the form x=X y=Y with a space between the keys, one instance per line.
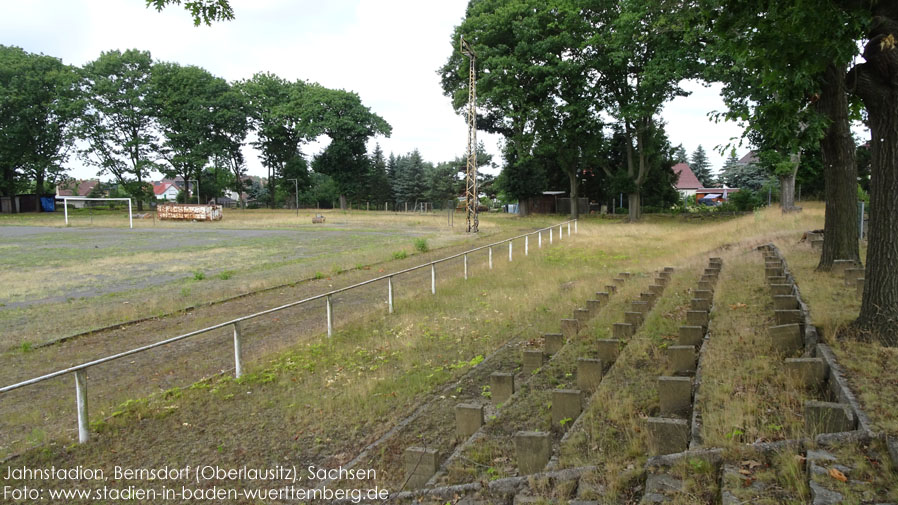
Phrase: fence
x=79 y=371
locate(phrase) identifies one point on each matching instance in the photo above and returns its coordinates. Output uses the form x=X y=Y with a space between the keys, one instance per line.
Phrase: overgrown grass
x=746 y=395
x=870 y=366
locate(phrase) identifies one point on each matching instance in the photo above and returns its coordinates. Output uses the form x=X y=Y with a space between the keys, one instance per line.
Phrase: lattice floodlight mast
x=471 y=201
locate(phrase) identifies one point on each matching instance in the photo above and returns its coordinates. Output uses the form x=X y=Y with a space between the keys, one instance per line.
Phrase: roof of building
x=84 y=189
x=686 y=179
x=751 y=157
x=161 y=187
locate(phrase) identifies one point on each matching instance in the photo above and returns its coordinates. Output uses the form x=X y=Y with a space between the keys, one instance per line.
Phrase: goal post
x=66 y=199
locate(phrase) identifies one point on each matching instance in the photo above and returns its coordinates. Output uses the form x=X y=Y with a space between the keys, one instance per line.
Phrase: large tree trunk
x=876 y=84
x=342 y=202
x=635 y=202
x=523 y=207
x=840 y=232
x=787 y=185
x=575 y=192
x=9 y=179
x=140 y=194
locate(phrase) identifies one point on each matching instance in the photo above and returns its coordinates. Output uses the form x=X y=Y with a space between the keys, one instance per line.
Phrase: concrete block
x=774 y=272
x=782 y=289
x=682 y=358
x=641 y=306
x=852 y=275
x=664 y=274
x=589 y=373
x=786 y=338
x=662 y=281
x=622 y=331
x=657 y=289
x=593 y=306
x=582 y=315
x=859 y=286
x=703 y=304
x=618 y=281
x=788 y=317
x=782 y=279
x=633 y=318
x=566 y=405
x=611 y=288
x=602 y=297
x=533 y=450
x=501 y=387
x=570 y=328
x=420 y=465
x=552 y=343
x=608 y=349
x=817 y=244
x=667 y=436
x=624 y=275
x=703 y=293
x=697 y=318
x=691 y=335
x=713 y=272
x=810 y=371
x=828 y=417
x=675 y=396
x=705 y=286
x=468 y=419
x=670 y=269
x=709 y=278
x=715 y=260
x=839 y=266
x=773 y=263
x=785 y=302
x=532 y=359
x=651 y=298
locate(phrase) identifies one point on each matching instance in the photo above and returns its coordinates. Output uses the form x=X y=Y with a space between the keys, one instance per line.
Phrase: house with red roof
x=166 y=190
x=687 y=182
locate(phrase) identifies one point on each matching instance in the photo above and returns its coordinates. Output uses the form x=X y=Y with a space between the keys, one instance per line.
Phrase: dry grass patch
x=746 y=395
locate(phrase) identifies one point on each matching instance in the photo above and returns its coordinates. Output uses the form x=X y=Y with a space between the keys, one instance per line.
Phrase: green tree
x=202 y=11
x=410 y=183
x=680 y=154
x=119 y=123
x=640 y=52
x=378 y=181
x=749 y=176
x=701 y=167
x=783 y=68
x=39 y=107
x=185 y=103
x=283 y=119
x=349 y=124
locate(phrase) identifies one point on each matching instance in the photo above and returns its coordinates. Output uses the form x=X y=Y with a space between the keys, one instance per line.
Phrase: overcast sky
x=387 y=51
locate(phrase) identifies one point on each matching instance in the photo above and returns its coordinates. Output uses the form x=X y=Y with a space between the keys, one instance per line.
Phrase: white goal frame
x=65 y=206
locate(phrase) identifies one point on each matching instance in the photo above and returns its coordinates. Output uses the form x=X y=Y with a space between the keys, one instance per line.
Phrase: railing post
x=560 y=232
x=433 y=279
x=238 y=354
x=575 y=226
x=509 y=250
x=491 y=257
x=466 y=267
x=81 y=403
x=330 y=317
x=539 y=241
x=550 y=236
x=526 y=245
x=390 y=293
x=568 y=228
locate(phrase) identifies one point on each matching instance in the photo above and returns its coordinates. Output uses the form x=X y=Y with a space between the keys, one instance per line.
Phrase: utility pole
x=471 y=201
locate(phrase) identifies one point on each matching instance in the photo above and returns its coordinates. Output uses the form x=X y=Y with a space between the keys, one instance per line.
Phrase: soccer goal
x=67 y=199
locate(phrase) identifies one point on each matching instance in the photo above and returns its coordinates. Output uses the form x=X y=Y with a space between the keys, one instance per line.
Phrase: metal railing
x=81 y=377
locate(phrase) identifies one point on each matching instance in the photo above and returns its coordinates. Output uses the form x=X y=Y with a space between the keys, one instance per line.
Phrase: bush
x=745 y=200
x=400 y=255
x=421 y=245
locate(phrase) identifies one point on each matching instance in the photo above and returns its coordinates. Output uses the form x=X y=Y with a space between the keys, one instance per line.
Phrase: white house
x=166 y=191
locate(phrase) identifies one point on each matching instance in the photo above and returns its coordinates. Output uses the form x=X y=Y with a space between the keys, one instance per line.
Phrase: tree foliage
x=202 y=11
